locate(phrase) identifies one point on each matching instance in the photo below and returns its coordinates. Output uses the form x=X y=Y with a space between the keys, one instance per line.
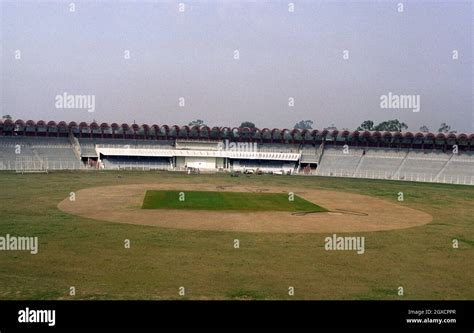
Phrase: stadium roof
x=175 y=131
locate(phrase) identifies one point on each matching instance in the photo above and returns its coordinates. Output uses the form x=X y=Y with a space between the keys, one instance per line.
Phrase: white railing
x=157 y=152
x=25 y=165
x=403 y=176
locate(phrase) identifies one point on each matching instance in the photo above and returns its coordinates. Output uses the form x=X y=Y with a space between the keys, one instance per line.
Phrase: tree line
x=393 y=125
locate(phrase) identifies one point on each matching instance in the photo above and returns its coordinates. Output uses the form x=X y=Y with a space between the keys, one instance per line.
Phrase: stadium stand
x=28 y=154
x=459 y=169
x=398 y=164
x=380 y=161
x=339 y=162
x=37 y=147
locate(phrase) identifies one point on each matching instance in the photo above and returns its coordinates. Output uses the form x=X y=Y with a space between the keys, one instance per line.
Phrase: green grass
x=90 y=255
x=208 y=200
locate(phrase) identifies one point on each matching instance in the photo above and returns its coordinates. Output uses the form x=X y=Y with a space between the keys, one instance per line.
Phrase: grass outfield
x=90 y=254
x=207 y=200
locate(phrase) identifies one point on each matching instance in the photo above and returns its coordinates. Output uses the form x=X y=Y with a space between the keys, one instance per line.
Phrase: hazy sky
x=283 y=54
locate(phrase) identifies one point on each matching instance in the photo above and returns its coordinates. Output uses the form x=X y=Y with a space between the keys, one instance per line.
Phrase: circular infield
x=347 y=212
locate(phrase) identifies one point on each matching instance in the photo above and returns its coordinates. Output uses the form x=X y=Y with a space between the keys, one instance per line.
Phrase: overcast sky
x=283 y=54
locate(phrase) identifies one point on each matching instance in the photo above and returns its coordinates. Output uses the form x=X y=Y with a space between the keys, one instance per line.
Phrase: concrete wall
x=201 y=162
